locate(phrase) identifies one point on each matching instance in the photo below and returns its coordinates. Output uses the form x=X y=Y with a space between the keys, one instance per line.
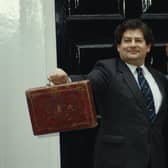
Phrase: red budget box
x=60 y=108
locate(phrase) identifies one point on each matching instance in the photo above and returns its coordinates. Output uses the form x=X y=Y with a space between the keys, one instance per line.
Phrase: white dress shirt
x=152 y=83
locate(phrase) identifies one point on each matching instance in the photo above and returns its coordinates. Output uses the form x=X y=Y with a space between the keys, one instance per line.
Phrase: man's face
x=133 y=47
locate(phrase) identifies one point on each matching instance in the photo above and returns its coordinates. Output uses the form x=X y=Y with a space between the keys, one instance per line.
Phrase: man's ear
x=118 y=48
x=149 y=48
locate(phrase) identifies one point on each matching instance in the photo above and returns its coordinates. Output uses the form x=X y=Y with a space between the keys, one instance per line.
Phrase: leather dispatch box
x=59 y=108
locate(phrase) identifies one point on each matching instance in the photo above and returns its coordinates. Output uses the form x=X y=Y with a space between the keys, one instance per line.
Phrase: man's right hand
x=59 y=76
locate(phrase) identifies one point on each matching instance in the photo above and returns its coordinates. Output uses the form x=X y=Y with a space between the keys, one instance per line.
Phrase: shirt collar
x=132 y=68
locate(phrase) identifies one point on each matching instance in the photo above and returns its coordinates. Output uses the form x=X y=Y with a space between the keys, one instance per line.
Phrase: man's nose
x=133 y=43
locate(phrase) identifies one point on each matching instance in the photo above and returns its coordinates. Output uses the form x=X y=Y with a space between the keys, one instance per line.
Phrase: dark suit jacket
x=126 y=138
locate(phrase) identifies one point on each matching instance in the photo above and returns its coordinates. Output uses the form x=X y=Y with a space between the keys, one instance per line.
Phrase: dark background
x=84 y=30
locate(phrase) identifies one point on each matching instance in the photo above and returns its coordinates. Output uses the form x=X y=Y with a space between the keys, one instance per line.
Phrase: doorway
x=84 y=35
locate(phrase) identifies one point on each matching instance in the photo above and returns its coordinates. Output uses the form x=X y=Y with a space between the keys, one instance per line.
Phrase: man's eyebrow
x=128 y=37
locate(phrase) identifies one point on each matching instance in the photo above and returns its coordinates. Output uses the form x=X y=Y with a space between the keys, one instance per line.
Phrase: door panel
x=84 y=35
x=93 y=7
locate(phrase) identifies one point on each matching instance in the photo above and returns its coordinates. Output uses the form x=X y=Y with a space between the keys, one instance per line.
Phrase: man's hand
x=59 y=76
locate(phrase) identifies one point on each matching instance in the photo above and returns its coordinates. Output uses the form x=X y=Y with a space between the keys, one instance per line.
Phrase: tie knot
x=139 y=70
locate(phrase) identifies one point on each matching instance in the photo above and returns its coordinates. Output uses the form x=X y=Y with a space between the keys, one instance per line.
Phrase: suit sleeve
x=165 y=126
x=99 y=77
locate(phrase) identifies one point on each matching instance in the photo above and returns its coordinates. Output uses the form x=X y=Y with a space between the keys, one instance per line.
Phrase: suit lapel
x=161 y=88
x=131 y=84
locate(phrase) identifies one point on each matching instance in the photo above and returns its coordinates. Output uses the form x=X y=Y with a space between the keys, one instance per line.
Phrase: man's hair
x=133 y=24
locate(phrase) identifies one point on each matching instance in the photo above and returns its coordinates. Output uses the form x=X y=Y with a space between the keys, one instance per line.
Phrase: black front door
x=84 y=35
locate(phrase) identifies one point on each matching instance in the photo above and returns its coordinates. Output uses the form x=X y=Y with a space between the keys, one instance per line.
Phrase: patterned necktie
x=147 y=93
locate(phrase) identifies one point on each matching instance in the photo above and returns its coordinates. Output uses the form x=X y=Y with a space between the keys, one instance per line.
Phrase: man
x=132 y=100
